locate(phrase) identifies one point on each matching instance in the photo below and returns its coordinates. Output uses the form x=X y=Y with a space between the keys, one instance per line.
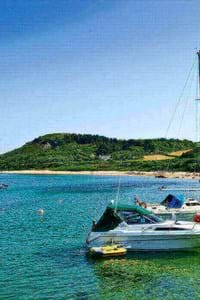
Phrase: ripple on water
x=43 y=257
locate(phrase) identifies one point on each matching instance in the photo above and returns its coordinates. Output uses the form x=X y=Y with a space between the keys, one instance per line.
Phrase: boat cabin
x=192 y=202
x=172 y=201
x=130 y=214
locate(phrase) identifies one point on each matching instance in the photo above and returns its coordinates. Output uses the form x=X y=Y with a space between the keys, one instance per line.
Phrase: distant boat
x=175 y=205
x=3 y=186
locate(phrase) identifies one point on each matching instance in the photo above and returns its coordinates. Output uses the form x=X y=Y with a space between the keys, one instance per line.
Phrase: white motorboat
x=172 y=205
x=138 y=229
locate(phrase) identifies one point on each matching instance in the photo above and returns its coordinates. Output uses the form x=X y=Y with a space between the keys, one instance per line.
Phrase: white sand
x=108 y=173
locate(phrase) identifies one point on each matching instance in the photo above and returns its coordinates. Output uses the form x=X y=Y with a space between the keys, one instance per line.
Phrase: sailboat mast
x=198 y=100
x=197 y=113
x=198 y=53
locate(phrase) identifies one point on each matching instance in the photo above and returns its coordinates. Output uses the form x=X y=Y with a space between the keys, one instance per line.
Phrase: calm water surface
x=44 y=257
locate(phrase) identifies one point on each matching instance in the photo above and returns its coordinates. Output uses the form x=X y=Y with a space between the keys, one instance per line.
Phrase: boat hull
x=162 y=211
x=148 y=242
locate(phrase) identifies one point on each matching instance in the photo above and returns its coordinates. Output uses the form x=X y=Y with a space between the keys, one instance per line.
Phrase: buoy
x=197 y=218
x=107 y=251
x=40 y=211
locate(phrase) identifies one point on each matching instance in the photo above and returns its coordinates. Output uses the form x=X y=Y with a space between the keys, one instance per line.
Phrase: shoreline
x=158 y=174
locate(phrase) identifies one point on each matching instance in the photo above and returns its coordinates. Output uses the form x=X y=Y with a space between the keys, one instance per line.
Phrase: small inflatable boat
x=109 y=250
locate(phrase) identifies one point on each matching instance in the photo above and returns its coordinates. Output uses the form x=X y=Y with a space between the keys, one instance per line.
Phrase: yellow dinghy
x=109 y=250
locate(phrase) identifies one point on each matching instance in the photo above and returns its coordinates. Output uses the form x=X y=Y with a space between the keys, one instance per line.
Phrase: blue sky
x=114 y=68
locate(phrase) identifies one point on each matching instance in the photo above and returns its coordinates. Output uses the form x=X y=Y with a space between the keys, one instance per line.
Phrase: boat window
x=170 y=228
x=192 y=204
x=136 y=218
x=156 y=219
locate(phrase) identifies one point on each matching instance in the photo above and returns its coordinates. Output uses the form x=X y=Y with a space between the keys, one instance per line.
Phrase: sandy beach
x=159 y=174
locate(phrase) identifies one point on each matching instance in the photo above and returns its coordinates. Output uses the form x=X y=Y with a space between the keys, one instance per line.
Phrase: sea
x=43 y=256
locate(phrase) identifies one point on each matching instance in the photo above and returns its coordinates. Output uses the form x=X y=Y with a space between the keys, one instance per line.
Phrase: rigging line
x=118 y=190
x=188 y=96
x=179 y=99
x=197 y=119
x=186 y=101
x=196 y=104
x=197 y=79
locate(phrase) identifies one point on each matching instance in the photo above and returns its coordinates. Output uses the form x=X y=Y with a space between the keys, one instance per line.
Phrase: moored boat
x=175 y=205
x=138 y=229
x=108 y=251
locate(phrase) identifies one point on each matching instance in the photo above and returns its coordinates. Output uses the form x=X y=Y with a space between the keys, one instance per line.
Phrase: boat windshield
x=131 y=214
x=192 y=203
x=136 y=218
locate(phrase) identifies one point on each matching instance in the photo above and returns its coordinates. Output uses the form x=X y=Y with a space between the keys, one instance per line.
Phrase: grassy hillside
x=63 y=151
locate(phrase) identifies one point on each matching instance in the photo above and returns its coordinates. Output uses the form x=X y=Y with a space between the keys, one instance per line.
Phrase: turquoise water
x=44 y=257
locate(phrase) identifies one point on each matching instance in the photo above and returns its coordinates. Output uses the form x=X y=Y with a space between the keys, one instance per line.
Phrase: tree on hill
x=67 y=151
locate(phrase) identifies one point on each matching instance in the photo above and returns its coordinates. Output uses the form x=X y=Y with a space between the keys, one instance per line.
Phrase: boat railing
x=147 y=228
x=194 y=226
x=88 y=240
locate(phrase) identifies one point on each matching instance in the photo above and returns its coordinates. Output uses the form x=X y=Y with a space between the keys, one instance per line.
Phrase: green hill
x=64 y=151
